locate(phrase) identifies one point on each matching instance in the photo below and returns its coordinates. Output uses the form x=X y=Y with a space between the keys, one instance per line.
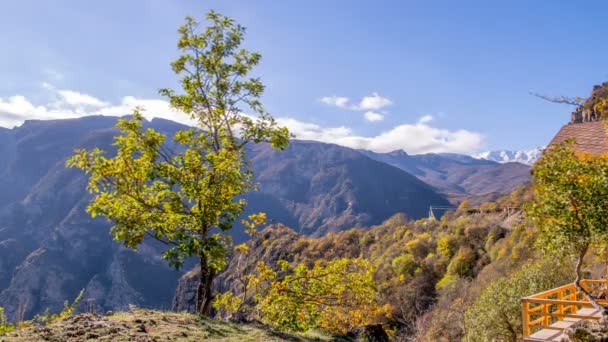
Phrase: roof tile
x=589 y=137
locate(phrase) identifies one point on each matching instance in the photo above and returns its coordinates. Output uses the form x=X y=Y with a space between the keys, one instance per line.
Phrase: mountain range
x=458 y=176
x=50 y=248
x=527 y=157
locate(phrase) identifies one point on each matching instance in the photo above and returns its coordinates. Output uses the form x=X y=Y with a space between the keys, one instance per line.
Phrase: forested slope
x=432 y=273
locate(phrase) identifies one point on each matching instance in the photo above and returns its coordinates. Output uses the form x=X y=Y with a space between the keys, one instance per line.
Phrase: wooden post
x=525 y=317
x=606 y=265
x=575 y=307
x=560 y=307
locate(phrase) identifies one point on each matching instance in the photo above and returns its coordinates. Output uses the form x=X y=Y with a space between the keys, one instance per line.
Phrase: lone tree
x=571 y=205
x=188 y=193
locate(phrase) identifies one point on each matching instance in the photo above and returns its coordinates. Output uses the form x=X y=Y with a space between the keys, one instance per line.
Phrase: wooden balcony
x=546 y=315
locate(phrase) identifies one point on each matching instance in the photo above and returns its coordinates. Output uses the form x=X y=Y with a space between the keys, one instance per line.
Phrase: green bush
x=489 y=207
x=47 y=318
x=405 y=264
x=447 y=282
x=5 y=326
x=446 y=246
x=420 y=246
x=496 y=314
x=463 y=263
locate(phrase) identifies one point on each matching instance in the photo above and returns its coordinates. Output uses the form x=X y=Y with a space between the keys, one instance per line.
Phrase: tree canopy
x=187 y=193
x=334 y=295
x=571 y=202
x=496 y=314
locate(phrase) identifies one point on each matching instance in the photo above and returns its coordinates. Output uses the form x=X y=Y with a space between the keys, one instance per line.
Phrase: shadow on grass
x=294 y=338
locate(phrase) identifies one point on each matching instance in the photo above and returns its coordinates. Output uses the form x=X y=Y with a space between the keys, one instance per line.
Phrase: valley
x=47 y=238
x=303 y=171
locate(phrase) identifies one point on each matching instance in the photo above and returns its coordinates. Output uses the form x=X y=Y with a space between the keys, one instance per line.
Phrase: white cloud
x=15 y=109
x=152 y=109
x=73 y=98
x=78 y=99
x=373 y=116
x=373 y=102
x=370 y=104
x=421 y=138
x=413 y=138
x=367 y=103
x=426 y=119
x=72 y=104
x=337 y=101
x=416 y=138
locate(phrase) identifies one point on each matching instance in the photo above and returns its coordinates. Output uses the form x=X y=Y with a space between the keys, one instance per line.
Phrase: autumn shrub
x=496 y=233
x=397 y=220
x=417 y=267
x=405 y=265
x=464 y=206
x=46 y=318
x=446 y=321
x=228 y=305
x=488 y=207
x=447 y=282
x=496 y=314
x=463 y=262
x=336 y=296
x=5 y=325
x=420 y=246
x=446 y=246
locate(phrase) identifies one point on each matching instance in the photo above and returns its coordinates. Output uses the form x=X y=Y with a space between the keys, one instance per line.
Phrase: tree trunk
x=204 y=296
x=577 y=283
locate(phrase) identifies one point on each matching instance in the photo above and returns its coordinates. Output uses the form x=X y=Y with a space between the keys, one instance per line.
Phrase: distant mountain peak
x=396 y=153
x=527 y=157
x=458 y=176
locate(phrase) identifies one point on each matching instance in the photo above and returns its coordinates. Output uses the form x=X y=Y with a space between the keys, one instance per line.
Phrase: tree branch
x=561 y=99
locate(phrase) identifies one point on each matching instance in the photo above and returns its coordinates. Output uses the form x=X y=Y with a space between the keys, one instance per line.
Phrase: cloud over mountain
x=419 y=137
x=412 y=138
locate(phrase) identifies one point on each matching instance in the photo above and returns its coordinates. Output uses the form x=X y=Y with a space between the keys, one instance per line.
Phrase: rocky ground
x=587 y=331
x=151 y=326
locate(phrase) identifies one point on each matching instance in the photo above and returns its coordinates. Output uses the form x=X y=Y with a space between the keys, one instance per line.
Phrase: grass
x=153 y=326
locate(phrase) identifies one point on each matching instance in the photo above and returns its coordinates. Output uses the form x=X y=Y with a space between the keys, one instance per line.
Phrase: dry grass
x=147 y=326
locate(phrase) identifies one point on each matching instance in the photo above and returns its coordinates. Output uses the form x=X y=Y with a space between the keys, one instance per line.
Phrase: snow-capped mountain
x=505 y=156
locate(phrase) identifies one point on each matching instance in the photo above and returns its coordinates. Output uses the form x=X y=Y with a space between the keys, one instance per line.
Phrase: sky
x=422 y=76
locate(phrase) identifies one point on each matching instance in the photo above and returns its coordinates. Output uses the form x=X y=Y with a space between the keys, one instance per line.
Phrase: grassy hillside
x=148 y=325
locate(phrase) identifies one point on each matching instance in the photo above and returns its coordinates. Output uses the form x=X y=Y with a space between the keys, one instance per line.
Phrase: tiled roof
x=589 y=137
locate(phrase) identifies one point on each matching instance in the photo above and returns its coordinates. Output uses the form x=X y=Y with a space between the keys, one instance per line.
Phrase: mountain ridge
x=459 y=176
x=51 y=248
x=527 y=157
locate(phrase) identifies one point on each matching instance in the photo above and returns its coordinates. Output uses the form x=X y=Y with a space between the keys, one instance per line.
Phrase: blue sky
x=438 y=75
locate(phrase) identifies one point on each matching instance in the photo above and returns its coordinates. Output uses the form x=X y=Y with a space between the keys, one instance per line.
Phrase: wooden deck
x=546 y=315
x=555 y=331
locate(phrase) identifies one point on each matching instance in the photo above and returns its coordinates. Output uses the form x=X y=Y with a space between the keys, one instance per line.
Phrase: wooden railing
x=541 y=310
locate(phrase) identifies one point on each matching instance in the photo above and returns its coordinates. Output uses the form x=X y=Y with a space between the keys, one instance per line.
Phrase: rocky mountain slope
x=329 y=188
x=50 y=248
x=459 y=176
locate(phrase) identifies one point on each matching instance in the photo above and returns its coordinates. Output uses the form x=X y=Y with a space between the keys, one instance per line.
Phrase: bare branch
x=573 y=101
